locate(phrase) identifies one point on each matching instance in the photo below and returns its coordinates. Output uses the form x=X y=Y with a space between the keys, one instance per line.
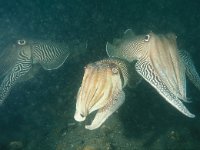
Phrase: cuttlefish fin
x=123 y=48
x=21 y=67
x=146 y=70
x=191 y=71
x=53 y=65
x=106 y=111
x=129 y=34
x=111 y=50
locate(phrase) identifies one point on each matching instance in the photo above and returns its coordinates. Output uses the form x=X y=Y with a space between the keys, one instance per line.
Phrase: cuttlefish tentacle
x=160 y=53
x=146 y=70
x=102 y=90
x=22 y=66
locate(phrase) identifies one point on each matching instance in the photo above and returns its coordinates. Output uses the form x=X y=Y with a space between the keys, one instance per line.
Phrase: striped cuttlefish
x=101 y=90
x=160 y=63
x=17 y=61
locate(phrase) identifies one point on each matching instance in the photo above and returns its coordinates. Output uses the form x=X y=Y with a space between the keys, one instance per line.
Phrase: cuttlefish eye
x=146 y=38
x=114 y=70
x=21 y=42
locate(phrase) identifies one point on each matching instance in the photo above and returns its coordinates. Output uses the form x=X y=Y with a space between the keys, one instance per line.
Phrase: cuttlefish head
x=102 y=81
x=130 y=47
x=23 y=46
x=15 y=64
x=9 y=56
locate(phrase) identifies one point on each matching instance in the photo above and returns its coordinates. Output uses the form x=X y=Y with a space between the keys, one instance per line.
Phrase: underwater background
x=38 y=113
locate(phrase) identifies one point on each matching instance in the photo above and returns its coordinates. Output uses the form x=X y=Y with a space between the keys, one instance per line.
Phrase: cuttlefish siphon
x=18 y=59
x=160 y=63
x=101 y=90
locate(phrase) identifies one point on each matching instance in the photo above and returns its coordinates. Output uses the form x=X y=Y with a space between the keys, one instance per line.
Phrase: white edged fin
x=111 y=50
x=50 y=55
x=129 y=34
x=146 y=70
x=55 y=63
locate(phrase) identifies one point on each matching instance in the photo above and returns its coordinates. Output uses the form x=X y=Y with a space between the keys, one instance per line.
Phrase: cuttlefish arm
x=105 y=112
x=146 y=70
x=21 y=67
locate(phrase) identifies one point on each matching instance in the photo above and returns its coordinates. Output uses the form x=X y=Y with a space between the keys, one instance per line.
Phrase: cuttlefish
x=101 y=90
x=18 y=59
x=160 y=63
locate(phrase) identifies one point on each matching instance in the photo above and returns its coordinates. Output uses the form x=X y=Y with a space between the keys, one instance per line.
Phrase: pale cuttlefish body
x=102 y=90
x=160 y=63
x=18 y=60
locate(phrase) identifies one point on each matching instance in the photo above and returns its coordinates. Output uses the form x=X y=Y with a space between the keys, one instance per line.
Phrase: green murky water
x=38 y=114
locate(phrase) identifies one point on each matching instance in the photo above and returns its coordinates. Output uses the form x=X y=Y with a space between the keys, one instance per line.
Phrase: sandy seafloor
x=38 y=114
